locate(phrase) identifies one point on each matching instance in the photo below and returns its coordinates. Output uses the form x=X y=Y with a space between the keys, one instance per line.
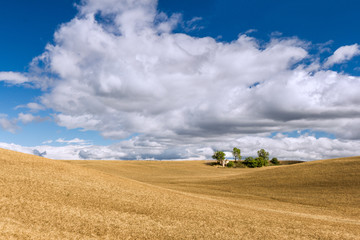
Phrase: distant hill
x=52 y=199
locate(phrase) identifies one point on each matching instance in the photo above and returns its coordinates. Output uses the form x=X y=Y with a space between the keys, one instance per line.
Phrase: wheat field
x=51 y=199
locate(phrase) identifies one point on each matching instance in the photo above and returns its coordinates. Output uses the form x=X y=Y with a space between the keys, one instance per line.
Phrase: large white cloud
x=118 y=68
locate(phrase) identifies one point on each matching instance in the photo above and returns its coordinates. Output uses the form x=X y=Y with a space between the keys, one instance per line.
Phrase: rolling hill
x=51 y=199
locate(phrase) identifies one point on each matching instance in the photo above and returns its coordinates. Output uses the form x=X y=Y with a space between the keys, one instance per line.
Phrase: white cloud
x=66 y=152
x=193 y=24
x=284 y=148
x=72 y=141
x=33 y=107
x=301 y=148
x=150 y=83
x=13 y=77
x=174 y=84
x=28 y=118
x=8 y=124
x=343 y=54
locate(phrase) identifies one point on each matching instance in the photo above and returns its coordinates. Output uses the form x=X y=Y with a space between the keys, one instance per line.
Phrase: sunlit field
x=52 y=199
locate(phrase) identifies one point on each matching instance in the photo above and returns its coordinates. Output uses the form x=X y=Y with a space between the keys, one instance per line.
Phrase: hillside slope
x=333 y=183
x=48 y=199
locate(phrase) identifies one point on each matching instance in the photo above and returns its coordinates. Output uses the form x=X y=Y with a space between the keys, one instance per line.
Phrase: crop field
x=51 y=199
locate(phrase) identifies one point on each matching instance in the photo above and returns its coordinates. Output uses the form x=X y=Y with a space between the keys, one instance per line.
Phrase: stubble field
x=50 y=199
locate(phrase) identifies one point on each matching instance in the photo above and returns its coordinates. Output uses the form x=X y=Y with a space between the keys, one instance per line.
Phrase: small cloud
x=47 y=142
x=13 y=77
x=342 y=54
x=276 y=34
x=194 y=19
x=72 y=141
x=250 y=31
x=192 y=24
x=34 y=107
x=324 y=47
x=28 y=118
x=7 y=124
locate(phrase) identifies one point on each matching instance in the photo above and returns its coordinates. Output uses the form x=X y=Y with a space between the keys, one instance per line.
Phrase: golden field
x=52 y=199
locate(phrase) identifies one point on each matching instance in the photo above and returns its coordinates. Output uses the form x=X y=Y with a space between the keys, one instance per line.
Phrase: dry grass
x=47 y=199
x=289 y=162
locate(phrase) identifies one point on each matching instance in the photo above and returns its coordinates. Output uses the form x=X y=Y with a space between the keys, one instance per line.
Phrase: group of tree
x=261 y=160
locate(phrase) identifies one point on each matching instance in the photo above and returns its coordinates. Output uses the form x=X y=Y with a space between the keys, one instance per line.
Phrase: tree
x=275 y=161
x=261 y=162
x=230 y=164
x=262 y=159
x=250 y=162
x=263 y=154
x=236 y=153
x=220 y=157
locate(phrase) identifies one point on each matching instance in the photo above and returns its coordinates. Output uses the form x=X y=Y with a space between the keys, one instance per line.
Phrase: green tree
x=250 y=162
x=261 y=162
x=230 y=164
x=236 y=153
x=220 y=157
x=275 y=161
x=263 y=154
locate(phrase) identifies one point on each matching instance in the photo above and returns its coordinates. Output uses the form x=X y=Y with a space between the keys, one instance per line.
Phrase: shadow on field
x=212 y=163
x=290 y=162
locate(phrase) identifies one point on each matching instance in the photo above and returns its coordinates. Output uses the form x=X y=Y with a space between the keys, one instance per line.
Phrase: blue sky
x=120 y=100
x=30 y=25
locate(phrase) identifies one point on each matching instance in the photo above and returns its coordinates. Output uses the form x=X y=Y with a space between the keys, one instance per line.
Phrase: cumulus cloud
x=118 y=68
x=135 y=78
x=343 y=54
x=13 y=77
